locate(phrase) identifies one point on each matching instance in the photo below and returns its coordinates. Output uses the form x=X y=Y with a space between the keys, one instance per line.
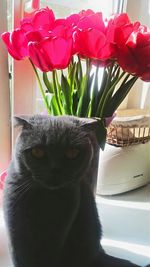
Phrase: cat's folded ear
x=97 y=126
x=22 y=121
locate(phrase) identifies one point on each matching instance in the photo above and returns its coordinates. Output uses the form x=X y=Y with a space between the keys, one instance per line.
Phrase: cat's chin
x=55 y=187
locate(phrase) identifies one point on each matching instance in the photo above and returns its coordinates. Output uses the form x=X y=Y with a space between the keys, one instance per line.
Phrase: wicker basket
x=129 y=127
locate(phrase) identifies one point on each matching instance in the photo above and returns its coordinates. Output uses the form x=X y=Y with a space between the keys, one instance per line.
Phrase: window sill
x=125 y=220
x=4 y=252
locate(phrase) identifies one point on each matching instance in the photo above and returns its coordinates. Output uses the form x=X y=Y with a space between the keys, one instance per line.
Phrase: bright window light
x=134 y=248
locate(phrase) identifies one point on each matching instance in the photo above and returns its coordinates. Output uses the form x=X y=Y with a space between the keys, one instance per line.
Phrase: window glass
x=63 y=8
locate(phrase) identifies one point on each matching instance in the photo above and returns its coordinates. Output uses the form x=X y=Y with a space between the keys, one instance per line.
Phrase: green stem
x=116 y=67
x=94 y=99
x=80 y=68
x=54 y=77
x=104 y=99
x=85 y=95
x=41 y=87
x=133 y=79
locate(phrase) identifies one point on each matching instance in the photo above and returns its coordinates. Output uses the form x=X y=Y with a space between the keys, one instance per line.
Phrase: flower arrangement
x=72 y=52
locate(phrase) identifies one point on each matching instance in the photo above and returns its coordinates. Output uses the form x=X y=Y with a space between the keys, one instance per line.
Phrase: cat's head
x=55 y=150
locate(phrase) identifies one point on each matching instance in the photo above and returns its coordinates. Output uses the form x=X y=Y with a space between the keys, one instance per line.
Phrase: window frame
x=5 y=113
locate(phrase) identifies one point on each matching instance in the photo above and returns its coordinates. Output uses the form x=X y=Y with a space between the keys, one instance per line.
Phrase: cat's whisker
x=22 y=192
x=22 y=184
x=20 y=198
x=21 y=187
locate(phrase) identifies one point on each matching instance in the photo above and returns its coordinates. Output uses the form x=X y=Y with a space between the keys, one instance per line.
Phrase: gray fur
x=49 y=206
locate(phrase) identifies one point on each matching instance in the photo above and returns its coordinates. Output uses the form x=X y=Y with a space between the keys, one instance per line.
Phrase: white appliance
x=122 y=169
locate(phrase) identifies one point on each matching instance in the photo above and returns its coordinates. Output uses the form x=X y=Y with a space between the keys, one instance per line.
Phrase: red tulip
x=43 y=19
x=90 y=36
x=32 y=29
x=117 y=22
x=51 y=53
x=73 y=19
x=85 y=13
x=16 y=43
x=132 y=47
x=62 y=28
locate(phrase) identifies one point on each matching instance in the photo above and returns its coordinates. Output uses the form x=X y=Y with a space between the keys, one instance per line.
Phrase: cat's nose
x=55 y=171
x=54 y=168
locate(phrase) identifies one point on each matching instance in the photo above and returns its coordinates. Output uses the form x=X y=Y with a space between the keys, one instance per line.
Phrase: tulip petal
x=62 y=31
x=88 y=12
x=94 y=21
x=36 y=36
x=146 y=75
x=19 y=42
x=120 y=20
x=143 y=53
x=95 y=41
x=26 y=24
x=15 y=45
x=58 y=51
x=127 y=61
x=73 y=19
x=43 y=18
x=37 y=58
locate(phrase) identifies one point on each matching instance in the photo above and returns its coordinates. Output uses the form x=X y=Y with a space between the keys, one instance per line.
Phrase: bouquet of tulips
x=74 y=52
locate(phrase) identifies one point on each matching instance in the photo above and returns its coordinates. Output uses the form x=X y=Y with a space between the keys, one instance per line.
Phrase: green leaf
x=101 y=133
x=79 y=69
x=54 y=106
x=105 y=99
x=94 y=101
x=67 y=95
x=75 y=101
x=57 y=92
x=81 y=89
x=52 y=103
x=119 y=96
x=49 y=97
x=72 y=76
x=103 y=85
x=87 y=95
x=79 y=84
x=115 y=77
x=111 y=89
x=88 y=110
x=47 y=83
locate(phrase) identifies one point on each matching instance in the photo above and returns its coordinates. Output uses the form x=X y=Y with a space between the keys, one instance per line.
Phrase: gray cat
x=49 y=206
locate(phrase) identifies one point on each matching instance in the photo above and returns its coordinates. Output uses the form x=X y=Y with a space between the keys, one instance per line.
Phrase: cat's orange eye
x=38 y=152
x=72 y=153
